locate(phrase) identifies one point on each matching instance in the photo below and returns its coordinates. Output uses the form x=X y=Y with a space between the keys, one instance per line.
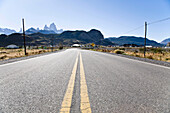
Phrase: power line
x=158 y=21
x=147 y=24
x=135 y=29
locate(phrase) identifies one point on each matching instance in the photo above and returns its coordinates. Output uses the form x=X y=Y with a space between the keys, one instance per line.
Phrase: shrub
x=150 y=57
x=167 y=59
x=135 y=51
x=2 y=48
x=141 y=49
x=39 y=51
x=153 y=50
x=104 y=50
x=137 y=55
x=119 y=51
x=156 y=50
x=122 y=48
x=3 y=57
x=20 y=50
x=61 y=47
x=159 y=50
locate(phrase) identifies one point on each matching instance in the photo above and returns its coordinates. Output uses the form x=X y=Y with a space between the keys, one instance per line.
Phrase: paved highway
x=81 y=81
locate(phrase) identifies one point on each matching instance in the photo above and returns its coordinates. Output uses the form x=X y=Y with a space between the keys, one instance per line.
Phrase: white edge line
x=148 y=63
x=23 y=60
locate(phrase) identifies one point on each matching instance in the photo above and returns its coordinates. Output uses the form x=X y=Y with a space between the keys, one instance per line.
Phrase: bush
x=137 y=55
x=122 y=48
x=103 y=50
x=150 y=57
x=159 y=50
x=141 y=49
x=156 y=50
x=61 y=47
x=119 y=51
x=167 y=59
x=20 y=50
x=2 y=48
x=3 y=57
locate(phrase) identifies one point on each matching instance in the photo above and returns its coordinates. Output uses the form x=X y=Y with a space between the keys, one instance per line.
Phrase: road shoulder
x=162 y=63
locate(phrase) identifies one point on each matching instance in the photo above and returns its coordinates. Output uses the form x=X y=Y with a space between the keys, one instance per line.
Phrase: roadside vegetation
x=15 y=53
x=161 y=54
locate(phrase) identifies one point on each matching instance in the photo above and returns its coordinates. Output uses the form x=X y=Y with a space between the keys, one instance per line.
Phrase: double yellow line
x=84 y=104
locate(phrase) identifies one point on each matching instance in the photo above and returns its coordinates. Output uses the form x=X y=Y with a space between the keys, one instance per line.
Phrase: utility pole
x=24 y=37
x=52 y=44
x=145 y=39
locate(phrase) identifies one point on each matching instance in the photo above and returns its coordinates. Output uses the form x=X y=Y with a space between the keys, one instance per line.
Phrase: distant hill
x=104 y=42
x=86 y=37
x=6 y=31
x=165 y=42
x=14 y=38
x=133 y=40
x=67 y=38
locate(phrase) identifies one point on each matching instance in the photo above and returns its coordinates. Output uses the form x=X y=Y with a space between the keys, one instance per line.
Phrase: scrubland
x=15 y=53
x=162 y=54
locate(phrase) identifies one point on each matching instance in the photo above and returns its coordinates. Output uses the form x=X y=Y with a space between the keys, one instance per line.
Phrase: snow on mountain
x=6 y=31
x=52 y=29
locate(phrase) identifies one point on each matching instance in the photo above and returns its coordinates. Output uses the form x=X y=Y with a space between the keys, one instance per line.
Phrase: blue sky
x=112 y=17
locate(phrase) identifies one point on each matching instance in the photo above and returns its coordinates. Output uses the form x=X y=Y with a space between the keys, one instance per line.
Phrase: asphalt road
x=97 y=82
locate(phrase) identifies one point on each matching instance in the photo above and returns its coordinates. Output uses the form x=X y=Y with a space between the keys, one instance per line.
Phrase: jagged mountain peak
x=53 y=27
x=6 y=31
x=46 y=27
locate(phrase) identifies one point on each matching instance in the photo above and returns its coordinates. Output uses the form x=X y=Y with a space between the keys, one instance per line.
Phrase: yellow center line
x=85 y=104
x=66 y=104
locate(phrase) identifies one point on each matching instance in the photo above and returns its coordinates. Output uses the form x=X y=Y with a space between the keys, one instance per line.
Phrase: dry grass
x=15 y=53
x=152 y=53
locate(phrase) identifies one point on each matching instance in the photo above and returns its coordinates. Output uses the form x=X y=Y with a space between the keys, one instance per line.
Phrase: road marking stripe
x=85 y=104
x=66 y=104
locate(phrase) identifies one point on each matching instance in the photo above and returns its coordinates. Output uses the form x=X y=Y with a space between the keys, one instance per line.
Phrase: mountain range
x=6 y=31
x=166 y=41
x=48 y=36
x=133 y=40
x=66 y=38
x=52 y=29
